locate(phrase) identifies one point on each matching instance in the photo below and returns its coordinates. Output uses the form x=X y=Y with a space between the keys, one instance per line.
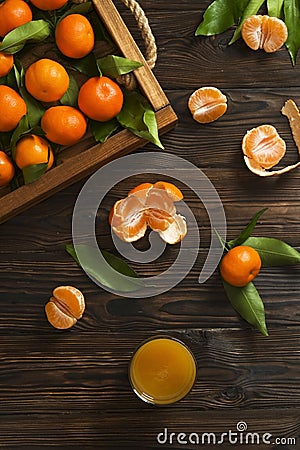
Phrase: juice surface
x=162 y=371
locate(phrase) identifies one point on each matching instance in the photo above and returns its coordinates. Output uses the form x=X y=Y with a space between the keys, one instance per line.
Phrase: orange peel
x=291 y=111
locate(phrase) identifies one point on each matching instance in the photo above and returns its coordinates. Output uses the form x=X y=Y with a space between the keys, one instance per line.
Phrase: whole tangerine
x=100 y=98
x=12 y=108
x=240 y=265
x=46 y=80
x=74 y=36
x=32 y=149
x=6 y=63
x=48 y=5
x=7 y=169
x=63 y=125
x=13 y=13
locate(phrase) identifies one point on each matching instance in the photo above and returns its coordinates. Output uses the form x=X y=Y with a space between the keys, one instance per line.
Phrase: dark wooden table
x=70 y=389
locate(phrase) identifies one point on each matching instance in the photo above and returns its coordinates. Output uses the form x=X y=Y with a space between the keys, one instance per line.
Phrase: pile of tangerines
x=46 y=80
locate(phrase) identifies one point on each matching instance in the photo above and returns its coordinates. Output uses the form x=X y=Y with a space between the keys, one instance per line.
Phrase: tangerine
x=49 y=5
x=264 y=145
x=264 y=32
x=32 y=149
x=100 y=98
x=7 y=169
x=63 y=125
x=12 y=108
x=13 y=13
x=46 y=80
x=6 y=63
x=65 y=307
x=207 y=104
x=74 y=36
x=240 y=265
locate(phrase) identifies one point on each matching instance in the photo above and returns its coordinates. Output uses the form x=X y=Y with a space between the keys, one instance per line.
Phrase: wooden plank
x=128 y=47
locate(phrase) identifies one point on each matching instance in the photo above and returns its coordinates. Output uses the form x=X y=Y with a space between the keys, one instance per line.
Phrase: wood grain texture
x=70 y=389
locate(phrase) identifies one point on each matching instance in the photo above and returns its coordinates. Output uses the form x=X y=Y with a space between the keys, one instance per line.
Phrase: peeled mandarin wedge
x=264 y=32
x=149 y=205
x=207 y=104
x=65 y=307
x=264 y=146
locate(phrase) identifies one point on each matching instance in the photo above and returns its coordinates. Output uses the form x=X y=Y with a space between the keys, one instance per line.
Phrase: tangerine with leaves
x=240 y=265
x=12 y=108
x=13 y=13
x=7 y=169
x=63 y=125
x=49 y=5
x=74 y=36
x=46 y=80
x=6 y=63
x=65 y=307
x=100 y=98
x=264 y=32
x=264 y=146
x=32 y=149
x=207 y=104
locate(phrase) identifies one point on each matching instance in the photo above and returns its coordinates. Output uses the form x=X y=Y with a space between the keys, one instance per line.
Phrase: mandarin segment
x=65 y=307
x=207 y=104
x=264 y=145
x=264 y=32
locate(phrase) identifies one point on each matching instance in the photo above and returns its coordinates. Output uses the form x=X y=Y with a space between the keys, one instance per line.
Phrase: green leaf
x=138 y=117
x=89 y=262
x=22 y=127
x=34 y=172
x=34 y=31
x=248 y=303
x=247 y=231
x=70 y=97
x=35 y=110
x=86 y=65
x=275 y=8
x=252 y=8
x=102 y=130
x=113 y=66
x=292 y=21
x=80 y=8
x=274 y=252
x=220 y=16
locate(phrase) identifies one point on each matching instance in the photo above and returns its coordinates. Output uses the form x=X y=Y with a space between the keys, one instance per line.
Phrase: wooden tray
x=85 y=158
